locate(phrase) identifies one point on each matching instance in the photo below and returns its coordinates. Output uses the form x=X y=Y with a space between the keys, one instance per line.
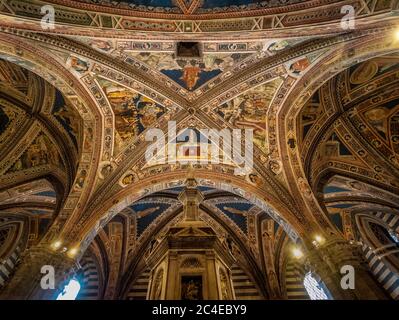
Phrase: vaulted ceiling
x=78 y=98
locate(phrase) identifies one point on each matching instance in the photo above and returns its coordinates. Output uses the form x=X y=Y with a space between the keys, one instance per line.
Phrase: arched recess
x=135 y=281
x=245 y=274
x=352 y=204
x=349 y=125
x=162 y=208
x=91 y=276
x=41 y=133
x=299 y=280
x=41 y=63
x=27 y=212
x=294 y=275
x=41 y=141
x=218 y=180
x=329 y=66
x=14 y=233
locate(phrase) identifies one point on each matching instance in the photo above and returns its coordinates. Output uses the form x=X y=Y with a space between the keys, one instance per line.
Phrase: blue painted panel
x=240 y=220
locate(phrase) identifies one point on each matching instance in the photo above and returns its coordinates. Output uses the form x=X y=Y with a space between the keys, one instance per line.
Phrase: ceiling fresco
x=194 y=7
x=41 y=151
x=37 y=191
x=133 y=111
x=191 y=74
x=79 y=189
x=249 y=110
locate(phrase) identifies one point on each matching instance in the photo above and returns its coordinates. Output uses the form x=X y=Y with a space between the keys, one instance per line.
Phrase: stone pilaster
x=25 y=284
x=328 y=259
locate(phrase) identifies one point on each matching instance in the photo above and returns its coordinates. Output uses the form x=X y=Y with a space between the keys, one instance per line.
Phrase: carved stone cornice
x=258 y=16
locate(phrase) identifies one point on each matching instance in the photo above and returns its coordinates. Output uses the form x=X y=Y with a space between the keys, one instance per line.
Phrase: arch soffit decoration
x=255 y=23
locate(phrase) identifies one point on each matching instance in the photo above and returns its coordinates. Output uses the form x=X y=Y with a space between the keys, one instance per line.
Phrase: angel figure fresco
x=69 y=118
x=378 y=119
x=191 y=75
x=40 y=152
x=123 y=103
x=247 y=111
x=133 y=111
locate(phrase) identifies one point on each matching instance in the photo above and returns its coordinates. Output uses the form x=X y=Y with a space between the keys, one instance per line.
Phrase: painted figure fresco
x=297 y=67
x=368 y=70
x=249 y=110
x=128 y=179
x=190 y=73
x=80 y=179
x=363 y=73
x=133 y=111
x=158 y=285
x=381 y=117
x=334 y=147
x=78 y=65
x=191 y=288
x=42 y=151
x=101 y=44
x=300 y=65
x=394 y=126
x=311 y=112
x=378 y=119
